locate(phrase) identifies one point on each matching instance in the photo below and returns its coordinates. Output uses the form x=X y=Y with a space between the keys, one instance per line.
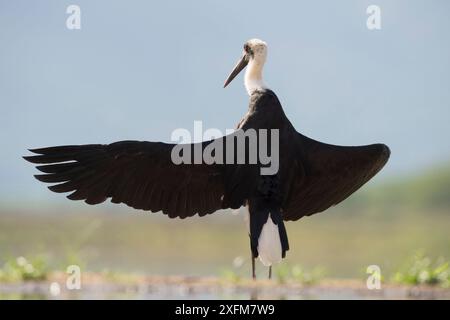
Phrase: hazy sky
x=139 y=70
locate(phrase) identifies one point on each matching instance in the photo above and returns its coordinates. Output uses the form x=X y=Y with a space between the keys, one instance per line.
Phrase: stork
x=312 y=176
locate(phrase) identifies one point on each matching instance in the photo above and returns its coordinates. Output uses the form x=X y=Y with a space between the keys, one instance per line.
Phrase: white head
x=257 y=49
x=254 y=55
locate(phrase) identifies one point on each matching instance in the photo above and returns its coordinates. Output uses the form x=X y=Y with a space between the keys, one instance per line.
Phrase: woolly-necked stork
x=311 y=177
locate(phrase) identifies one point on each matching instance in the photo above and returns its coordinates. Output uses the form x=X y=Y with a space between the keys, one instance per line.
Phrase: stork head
x=255 y=52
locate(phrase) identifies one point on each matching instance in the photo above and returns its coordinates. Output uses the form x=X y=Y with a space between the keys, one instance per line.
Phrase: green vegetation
x=417 y=270
x=282 y=273
x=421 y=269
x=35 y=268
x=21 y=269
x=285 y=272
x=230 y=275
x=371 y=227
x=237 y=272
x=120 y=277
x=428 y=191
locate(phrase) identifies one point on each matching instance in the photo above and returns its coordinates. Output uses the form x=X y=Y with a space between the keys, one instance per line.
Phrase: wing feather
x=327 y=174
x=139 y=174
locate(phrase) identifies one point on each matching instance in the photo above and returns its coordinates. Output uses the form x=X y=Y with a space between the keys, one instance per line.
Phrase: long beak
x=238 y=68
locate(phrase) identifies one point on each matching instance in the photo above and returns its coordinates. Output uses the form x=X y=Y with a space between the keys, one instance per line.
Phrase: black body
x=312 y=175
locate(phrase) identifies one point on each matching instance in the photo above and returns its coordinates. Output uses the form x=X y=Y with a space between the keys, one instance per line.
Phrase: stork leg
x=270 y=272
x=253 y=267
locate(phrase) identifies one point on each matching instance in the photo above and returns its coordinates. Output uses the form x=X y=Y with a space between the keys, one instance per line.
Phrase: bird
x=311 y=176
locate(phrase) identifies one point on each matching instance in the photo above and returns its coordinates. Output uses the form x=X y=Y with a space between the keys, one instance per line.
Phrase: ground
x=101 y=286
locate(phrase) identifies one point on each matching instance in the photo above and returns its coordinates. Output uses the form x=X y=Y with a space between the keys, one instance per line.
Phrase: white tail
x=269 y=244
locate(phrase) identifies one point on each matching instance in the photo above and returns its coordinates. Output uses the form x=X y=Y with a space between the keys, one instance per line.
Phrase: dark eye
x=246 y=48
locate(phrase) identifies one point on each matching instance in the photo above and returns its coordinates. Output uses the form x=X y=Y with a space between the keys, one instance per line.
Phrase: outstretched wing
x=325 y=174
x=139 y=174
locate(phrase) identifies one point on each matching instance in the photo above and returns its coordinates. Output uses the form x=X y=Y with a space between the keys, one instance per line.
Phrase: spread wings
x=143 y=176
x=139 y=174
x=325 y=174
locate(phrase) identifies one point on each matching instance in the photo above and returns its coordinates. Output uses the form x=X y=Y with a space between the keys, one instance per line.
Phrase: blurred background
x=138 y=70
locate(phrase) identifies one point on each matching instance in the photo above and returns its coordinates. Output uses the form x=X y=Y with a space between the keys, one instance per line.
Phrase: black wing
x=325 y=175
x=139 y=174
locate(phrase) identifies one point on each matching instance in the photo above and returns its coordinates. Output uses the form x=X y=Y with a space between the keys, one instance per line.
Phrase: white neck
x=253 y=76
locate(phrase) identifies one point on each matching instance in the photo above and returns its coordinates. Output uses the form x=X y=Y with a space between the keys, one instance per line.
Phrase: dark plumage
x=312 y=175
